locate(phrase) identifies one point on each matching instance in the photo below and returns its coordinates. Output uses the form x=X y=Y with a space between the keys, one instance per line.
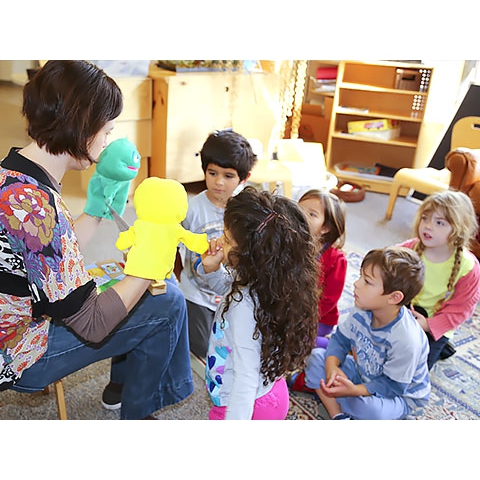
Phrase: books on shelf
x=365 y=171
x=320 y=86
x=381 y=128
x=327 y=73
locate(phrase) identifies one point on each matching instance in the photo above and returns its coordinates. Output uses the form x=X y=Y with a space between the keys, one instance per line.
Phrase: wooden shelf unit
x=392 y=90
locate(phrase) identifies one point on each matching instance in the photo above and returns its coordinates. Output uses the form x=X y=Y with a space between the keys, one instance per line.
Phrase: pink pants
x=272 y=406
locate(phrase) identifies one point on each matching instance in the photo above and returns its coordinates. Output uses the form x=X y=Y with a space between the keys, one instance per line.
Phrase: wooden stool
x=60 y=396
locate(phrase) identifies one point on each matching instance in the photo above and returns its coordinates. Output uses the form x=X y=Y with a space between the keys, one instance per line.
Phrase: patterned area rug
x=455 y=381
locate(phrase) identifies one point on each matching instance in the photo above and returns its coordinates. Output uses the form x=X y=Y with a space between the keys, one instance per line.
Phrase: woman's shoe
x=112 y=396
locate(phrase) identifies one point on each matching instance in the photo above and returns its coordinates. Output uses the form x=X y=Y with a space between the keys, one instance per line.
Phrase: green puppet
x=117 y=165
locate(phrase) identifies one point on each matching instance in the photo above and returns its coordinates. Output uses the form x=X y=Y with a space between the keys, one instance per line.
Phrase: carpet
x=455 y=381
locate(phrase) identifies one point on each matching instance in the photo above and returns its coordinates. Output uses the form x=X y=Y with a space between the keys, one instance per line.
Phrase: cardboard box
x=315 y=122
x=408 y=79
x=382 y=134
x=372 y=125
x=381 y=128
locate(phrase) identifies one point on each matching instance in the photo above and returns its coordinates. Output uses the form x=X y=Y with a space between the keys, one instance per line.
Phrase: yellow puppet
x=160 y=204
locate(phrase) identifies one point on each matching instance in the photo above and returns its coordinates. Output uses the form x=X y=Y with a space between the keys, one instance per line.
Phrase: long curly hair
x=275 y=259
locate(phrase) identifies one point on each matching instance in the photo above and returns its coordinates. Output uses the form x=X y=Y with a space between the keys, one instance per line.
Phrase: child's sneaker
x=296 y=383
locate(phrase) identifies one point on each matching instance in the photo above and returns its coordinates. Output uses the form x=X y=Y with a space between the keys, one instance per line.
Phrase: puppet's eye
x=136 y=158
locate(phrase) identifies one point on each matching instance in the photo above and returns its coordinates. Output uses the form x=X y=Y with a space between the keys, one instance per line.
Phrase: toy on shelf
x=117 y=165
x=160 y=204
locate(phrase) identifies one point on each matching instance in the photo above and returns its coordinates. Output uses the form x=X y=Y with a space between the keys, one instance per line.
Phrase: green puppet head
x=119 y=161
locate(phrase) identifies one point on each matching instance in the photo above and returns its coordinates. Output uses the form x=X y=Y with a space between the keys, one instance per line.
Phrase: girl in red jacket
x=444 y=225
x=326 y=215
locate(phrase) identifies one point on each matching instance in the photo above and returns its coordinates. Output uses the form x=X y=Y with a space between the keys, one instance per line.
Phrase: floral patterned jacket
x=42 y=275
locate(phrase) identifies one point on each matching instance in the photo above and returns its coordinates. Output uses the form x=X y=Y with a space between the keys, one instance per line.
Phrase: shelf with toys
x=388 y=100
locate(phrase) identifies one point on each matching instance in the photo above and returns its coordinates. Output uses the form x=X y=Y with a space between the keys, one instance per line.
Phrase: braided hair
x=458 y=210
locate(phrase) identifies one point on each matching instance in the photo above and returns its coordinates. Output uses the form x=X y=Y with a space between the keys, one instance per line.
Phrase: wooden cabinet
x=364 y=91
x=188 y=106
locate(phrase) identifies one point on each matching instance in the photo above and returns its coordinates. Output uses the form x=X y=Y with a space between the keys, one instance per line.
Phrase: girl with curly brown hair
x=266 y=323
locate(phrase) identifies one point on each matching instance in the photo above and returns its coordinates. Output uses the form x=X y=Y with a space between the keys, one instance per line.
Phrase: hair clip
x=265 y=221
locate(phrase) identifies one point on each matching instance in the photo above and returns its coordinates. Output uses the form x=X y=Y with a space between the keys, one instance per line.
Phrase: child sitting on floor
x=444 y=225
x=375 y=365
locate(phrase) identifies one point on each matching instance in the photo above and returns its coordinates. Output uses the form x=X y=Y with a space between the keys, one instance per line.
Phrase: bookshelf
x=395 y=91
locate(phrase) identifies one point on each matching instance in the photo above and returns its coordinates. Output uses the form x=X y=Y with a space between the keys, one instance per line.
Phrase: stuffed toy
x=117 y=165
x=160 y=205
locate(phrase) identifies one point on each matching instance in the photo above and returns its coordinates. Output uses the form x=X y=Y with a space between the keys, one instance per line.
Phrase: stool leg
x=392 y=199
x=60 y=394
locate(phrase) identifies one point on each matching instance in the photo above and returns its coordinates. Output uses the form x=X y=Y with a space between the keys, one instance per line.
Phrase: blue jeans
x=151 y=344
x=436 y=347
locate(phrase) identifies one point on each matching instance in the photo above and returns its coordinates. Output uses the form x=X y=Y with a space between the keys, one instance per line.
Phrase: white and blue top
x=233 y=377
x=391 y=360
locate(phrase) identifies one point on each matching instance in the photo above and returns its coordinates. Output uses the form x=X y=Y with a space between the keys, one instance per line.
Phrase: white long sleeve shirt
x=233 y=377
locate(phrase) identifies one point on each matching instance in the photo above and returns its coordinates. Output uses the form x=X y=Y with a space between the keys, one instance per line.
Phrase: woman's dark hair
x=66 y=103
x=228 y=149
x=275 y=260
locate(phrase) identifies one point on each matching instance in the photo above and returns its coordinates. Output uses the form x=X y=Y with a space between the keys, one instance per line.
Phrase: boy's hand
x=341 y=386
x=213 y=257
x=332 y=370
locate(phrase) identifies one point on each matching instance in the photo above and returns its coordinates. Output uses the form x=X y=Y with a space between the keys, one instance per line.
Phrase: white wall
x=445 y=95
x=15 y=70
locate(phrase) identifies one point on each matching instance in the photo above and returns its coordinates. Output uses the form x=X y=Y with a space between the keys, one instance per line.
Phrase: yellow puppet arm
x=195 y=242
x=125 y=239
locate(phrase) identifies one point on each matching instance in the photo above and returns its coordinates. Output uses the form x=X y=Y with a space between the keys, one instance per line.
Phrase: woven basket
x=356 y=194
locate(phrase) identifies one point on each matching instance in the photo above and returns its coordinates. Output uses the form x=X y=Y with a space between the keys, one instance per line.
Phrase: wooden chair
x=60 y=397
x=466 y=134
